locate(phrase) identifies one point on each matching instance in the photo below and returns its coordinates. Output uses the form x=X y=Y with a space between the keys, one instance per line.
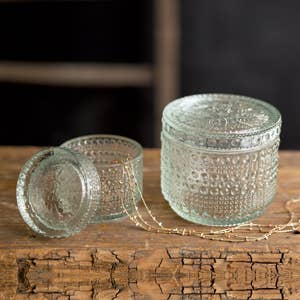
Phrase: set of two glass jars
x=219 y=157
x=60 y=190
x=219 y=165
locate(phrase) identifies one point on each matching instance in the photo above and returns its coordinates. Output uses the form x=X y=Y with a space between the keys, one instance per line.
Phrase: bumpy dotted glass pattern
x=58 y=192
x=208 y=184
x=107 y=152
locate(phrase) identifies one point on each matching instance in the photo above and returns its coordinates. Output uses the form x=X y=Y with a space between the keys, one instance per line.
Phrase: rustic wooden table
x=119 y=261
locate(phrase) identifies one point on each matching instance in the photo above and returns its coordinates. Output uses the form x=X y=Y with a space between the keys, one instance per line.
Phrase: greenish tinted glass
x=58 y=192
x=219 y=157
x=109 y=154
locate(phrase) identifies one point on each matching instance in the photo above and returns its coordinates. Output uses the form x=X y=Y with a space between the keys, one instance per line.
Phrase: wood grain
x=119 y=261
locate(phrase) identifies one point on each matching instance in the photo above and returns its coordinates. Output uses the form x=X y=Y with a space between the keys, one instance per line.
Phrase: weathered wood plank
x=119 y=261
x=146 y=272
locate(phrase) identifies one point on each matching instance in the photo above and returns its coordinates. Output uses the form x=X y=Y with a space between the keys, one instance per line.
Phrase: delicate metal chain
x=257 y=231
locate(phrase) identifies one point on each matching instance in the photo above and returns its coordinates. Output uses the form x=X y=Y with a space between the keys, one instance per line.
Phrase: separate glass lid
x=58 y=192
x=222 y=121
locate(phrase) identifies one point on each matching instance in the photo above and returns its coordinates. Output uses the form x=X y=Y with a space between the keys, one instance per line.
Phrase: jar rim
x=138 y=146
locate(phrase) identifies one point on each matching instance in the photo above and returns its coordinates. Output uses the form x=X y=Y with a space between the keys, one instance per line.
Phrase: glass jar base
x=111 y=218
x=108 y=218
x=209 y=221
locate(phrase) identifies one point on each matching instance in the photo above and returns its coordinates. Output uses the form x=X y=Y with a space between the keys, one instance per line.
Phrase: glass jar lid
x=58 y=192
x=222 y=121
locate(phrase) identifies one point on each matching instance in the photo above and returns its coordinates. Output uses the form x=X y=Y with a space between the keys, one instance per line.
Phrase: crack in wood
x=23 y=268
x=155 y=279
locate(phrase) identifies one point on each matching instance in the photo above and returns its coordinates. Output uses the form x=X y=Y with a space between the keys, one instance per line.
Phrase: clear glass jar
x=219 y=157
x=109 y=154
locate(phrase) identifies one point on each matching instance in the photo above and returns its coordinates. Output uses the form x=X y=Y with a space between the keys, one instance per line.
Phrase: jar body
x=217 y=187
x=110 y=154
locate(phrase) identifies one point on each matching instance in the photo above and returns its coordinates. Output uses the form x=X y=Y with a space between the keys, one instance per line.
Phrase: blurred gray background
x=79 y=67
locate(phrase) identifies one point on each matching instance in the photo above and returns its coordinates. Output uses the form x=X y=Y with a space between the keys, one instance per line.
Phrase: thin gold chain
x=236 y=233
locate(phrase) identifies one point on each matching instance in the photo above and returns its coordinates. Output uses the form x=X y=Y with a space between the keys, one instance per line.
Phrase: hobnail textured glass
x=58 y=192
x=219 y=157
x=107 y=152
